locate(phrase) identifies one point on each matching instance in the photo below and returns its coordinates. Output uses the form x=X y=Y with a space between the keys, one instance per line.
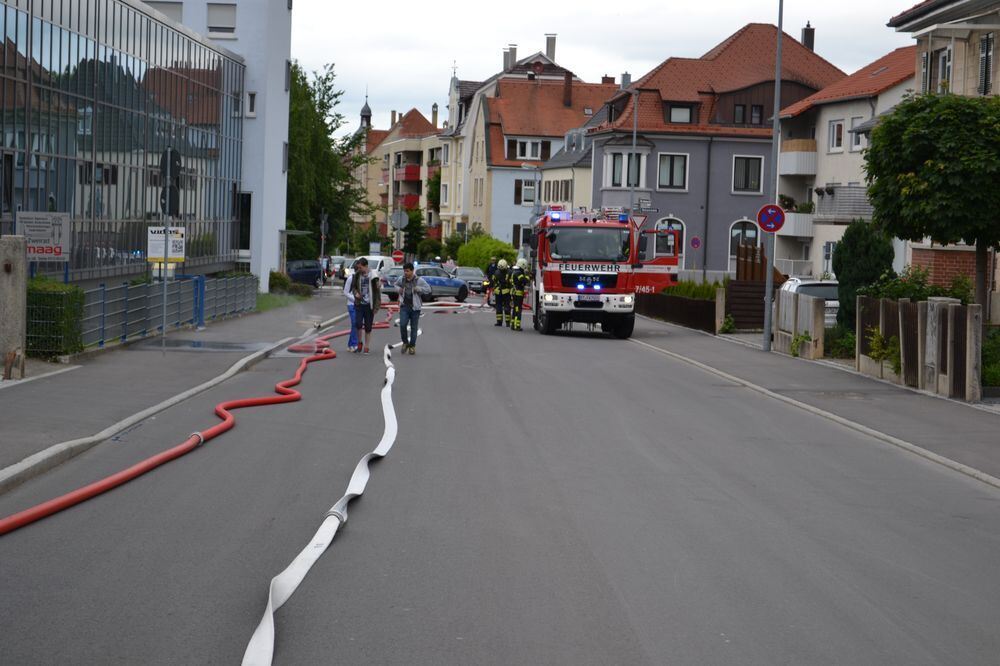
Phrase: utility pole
x=633 y=156
x=775 y=138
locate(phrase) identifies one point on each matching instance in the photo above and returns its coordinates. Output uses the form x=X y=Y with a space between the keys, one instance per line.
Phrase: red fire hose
x=320 y=350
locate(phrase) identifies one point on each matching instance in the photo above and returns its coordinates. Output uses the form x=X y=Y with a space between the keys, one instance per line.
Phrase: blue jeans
x=352 y=341
x=408 y=315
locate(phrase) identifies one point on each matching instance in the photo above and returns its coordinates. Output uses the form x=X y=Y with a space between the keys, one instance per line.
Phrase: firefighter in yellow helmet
x=501 y=292
x=519 y=282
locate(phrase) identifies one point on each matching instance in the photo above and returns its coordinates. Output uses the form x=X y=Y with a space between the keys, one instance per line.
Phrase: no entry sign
x=770 y=218
x=397 y=256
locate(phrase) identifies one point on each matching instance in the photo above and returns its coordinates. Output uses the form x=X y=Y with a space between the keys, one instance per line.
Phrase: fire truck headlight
x=597 y=287
x=627 y=299
x=549 y=298
x=581 y=286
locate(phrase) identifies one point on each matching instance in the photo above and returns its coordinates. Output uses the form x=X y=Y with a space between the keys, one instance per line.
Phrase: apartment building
x=821 y=165
x=703 y=144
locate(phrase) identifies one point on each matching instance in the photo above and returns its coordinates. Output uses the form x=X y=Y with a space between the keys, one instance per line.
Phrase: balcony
x=798 y=158
x=407 y=172
x=798 y=225
x=844 y=204
x=408 y=201
x=797 y=267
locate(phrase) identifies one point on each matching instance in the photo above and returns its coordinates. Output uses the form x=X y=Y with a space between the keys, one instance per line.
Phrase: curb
x=41 y=462
x=830 y=416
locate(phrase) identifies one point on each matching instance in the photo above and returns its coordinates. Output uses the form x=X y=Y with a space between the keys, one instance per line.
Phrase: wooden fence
x=690 y=312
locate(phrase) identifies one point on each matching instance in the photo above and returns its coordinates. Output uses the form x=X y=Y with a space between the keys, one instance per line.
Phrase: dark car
x=305 y=271
x=389 y=280
x=472 y=276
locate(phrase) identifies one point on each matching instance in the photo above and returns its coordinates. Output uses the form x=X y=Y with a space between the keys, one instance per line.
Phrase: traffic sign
x=399 y=219
x=397 y=256
x=649 y=210
x=770 y=218
x=639 y=220
x=645 y=203
x=695 y=242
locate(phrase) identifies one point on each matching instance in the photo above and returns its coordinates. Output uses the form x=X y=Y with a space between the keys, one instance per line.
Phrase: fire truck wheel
x=624 y=327
x=545 y=323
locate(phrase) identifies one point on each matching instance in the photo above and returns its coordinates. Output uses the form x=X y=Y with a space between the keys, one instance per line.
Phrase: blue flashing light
x=597 y=287
x=622 y=217
x=581 y=286
x=556 y=217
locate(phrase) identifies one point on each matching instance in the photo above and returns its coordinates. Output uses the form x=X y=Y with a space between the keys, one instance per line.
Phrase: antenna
x=454 y=68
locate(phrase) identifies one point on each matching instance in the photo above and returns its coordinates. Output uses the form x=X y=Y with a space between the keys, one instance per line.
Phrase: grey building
x=701 y=161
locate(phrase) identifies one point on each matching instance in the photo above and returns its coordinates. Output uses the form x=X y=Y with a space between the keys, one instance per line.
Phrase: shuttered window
x=221 y=18
x=925 y=71
x=986 y=64
x=517 y=192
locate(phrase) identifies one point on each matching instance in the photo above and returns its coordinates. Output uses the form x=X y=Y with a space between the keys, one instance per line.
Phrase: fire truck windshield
x=590 y=244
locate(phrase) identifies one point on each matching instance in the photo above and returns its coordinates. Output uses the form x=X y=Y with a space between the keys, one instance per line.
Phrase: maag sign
x=47 y=235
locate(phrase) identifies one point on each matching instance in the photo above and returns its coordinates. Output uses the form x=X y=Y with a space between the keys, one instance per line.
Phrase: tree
x=478 y=250
x=451 y=245
x=860 y=258
x=434 y=191
x=320 y=167
x=429 y=248
x=932 y=170
x=414 y=231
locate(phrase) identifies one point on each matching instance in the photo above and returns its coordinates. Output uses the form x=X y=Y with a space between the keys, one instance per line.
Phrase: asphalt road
x=560 y=500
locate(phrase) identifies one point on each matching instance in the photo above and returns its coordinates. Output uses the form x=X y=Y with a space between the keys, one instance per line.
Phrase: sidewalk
x=956 y=431
x=110 y=386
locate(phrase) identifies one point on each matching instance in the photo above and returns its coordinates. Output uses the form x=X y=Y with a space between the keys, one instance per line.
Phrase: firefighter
x=519 y=281
x=488 y=282
x=500 y=282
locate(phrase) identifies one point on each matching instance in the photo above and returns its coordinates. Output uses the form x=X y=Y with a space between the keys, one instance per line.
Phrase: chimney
x=513 y=55
x=393 y=118
x=550 y=46
x=608 y=79
x=506 y=60
x=434 y=114
x=626 y=80
x=568 y=89
x=809 y=37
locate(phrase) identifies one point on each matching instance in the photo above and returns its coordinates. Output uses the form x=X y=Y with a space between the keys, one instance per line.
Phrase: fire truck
x=587 y=267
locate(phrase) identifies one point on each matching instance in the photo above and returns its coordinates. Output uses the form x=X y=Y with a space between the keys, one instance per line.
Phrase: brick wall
x=946 y=264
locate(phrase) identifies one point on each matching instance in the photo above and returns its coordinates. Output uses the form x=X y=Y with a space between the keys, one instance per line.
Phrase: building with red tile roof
x=700 y=164
x=821 y=164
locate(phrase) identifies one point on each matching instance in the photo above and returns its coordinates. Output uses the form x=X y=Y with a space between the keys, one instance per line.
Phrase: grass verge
x=267 y=302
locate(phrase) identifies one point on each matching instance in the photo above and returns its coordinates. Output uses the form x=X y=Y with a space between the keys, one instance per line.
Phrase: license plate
x=588 y=297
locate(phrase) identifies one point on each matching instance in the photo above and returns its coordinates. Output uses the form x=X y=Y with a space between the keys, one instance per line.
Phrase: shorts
x=363 y=316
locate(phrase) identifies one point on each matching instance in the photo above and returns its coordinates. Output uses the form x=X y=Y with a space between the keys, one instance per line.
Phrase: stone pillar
x=921 y=342
x=937 y=320
x=720 y=308
x=974 y=353
x=13 y=306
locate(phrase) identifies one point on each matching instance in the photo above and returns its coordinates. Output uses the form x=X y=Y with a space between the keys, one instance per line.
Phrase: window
x=251 y=105
x=528 y=149
x=836 y=136
x=515 y=238
x=173 y=10
x=444 y=194
x=680 y=114
x=288 y=75
x=445 y=152
x=746 y=174
x=985 y=64
x=221 y=19
x=756 y=114
x=547 y=196
x=635 y=163
x=85 y=121
x=828 y=248
x=925 y=71
x=857 y=138
x=673 y=172
x=528 y=192
x=740 y=114
x=743 y=232
x=943 y=70
x=616 y=169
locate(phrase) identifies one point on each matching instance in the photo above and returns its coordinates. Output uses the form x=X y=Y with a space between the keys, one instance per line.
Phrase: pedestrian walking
x=363 y=285
x=411 y=290
x=501 y=292
x=519 y=281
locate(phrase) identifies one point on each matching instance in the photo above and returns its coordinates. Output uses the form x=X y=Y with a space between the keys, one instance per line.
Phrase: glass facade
x=93 y=92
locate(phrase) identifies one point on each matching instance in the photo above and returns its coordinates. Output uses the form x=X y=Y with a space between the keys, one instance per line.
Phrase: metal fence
x=117 y=313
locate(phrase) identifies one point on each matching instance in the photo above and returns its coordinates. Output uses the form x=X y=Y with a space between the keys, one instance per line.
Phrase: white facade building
x=261 y=32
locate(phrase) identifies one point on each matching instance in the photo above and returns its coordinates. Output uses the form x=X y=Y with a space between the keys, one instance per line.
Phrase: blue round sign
x=695 y=242
x=770 y=218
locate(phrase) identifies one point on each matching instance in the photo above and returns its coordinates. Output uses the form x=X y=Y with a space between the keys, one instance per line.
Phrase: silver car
x=825 y=289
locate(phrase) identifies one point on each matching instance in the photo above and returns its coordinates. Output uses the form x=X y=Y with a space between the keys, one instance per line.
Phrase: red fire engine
x=587 y=267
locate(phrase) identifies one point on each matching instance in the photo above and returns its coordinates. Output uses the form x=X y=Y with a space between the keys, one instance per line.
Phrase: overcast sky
x=403 y=51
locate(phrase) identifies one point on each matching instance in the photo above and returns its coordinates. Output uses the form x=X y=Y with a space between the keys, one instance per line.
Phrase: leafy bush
x=805 y=207
x=477 y=251
x=55 y=312
x=702 y=291
x=296 y=289
x=914 y=283
x=728 y=325
x=278 y=282
x=839 y=342
x=860 y=258
x=991 y=358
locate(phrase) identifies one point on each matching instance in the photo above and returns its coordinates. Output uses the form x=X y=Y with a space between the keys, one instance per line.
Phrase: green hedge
x=55 y=312
x=991 y=357
x=688 y=289
x=477 y=252
x=278 y=282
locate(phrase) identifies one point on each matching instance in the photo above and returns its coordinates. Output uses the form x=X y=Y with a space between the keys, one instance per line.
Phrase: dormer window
x=680 y=114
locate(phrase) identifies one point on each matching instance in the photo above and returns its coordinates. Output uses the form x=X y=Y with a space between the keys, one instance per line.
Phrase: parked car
x=389 y=280
x=305 y=271
x=376 y=262
x=825 y=289
x=338 y=267
x=473 y=276
x=442 y=284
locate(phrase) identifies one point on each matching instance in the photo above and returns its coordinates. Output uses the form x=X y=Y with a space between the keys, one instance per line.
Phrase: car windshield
x=469 y=272
x=825 y=291
x=589 y=244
